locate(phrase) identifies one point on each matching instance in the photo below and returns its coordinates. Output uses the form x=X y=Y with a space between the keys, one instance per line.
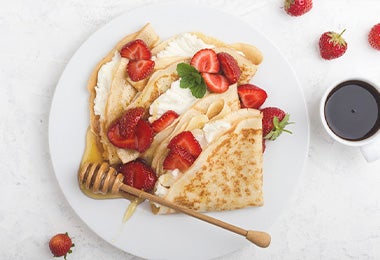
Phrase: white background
x=335 y=211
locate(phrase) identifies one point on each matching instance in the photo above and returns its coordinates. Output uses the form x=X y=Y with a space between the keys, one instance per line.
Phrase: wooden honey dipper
x=102 y=178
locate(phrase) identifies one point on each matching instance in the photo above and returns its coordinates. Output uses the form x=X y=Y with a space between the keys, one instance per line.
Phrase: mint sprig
x=191 y=78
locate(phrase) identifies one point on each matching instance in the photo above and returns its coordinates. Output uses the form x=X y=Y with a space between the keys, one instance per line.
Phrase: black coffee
x=352 y=110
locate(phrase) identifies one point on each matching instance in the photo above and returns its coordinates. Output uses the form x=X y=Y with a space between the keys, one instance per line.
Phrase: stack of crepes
x=228 y=173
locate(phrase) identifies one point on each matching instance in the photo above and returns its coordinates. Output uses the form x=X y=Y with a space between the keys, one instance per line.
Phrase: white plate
x=176 y=236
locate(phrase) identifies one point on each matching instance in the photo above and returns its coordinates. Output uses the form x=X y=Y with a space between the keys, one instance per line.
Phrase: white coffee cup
x=350 y=113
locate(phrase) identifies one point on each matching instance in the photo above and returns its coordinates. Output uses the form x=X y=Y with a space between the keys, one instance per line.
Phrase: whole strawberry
x=274 y=122
x=332 y=45
x=374 y=37
x=298 y=7
x=60 y=245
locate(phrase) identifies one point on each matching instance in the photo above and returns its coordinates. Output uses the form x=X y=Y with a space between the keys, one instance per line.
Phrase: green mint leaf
x=199 y=91
x=187 y=81
x=185 y=69
x=197 y=78
x=192 y=79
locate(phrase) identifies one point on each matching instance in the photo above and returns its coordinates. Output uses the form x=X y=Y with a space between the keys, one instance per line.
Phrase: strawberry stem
x=342 y=33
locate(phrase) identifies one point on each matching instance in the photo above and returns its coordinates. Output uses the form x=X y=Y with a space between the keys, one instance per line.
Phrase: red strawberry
x=60 y=245
x=140 y=69
x=118 y=139
x=121 y=133
x=251 y=96
x=298 y=7
x=138 y=175
x=130 y=118
x=164 y=121
x=178 y=158
x=187 y=141
x=205 y=60
x=332 y=45
x=136 y=50
x=229 y=66
x=274 y=122
x=374 y=37
x=144 y=136
x=215 y=82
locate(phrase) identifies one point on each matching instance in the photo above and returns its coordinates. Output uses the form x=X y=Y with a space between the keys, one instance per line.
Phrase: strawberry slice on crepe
x=136 y=50
x=140 y=69
x=164 y=121
x=205 y=60
x=229 y=66
x=178 y=158
x=251 y=96
x=215 y=82
x=131 y=131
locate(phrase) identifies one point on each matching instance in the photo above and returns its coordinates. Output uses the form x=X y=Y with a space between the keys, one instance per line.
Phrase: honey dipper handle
x=258 y=238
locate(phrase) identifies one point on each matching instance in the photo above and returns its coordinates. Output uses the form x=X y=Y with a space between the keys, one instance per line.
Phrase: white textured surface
x=333 y=214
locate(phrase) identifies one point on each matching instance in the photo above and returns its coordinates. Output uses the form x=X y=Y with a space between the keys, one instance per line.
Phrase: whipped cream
x=103 y=84
x=213 y=128
x=175 y=98
x=165 y=181
x=161 y=191
x=209 y=131
x=199 y=135
x=185 y=44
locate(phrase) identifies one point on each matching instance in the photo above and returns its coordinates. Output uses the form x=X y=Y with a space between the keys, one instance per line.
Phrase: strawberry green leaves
x=274 y=122
x=278 y=128
x=192 y=79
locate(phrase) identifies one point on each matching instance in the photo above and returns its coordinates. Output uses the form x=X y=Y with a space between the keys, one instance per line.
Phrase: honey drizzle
x=92 y=154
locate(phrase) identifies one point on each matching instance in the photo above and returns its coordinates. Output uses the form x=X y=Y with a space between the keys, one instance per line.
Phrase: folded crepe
x=226 y=175
x=210 y=107
x=120 y=94
x=108 y=102
x=246 y=55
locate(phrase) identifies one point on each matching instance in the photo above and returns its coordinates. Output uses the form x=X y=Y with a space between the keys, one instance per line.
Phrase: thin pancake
x=150 y=37
x=212 y=106
x=228 y=173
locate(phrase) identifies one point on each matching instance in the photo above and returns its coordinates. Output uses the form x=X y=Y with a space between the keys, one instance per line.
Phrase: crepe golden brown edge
x=145 y=92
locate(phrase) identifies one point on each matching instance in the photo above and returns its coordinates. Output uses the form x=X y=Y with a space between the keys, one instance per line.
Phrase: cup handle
x=371 y=151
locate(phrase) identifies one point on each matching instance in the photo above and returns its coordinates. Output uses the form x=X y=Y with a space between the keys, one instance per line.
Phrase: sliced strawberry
x=205 y=60
x=187 y=141
x=139 y=69
x=129 y=120
x=164 y=121
x=251 y=96
x=144 y=135
x=121 y=133
x=118 y=139
x=215 y=82
x=136 y=50
x=138 y=175
x=229 y=66
x=274 y=122
x=178 y=158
